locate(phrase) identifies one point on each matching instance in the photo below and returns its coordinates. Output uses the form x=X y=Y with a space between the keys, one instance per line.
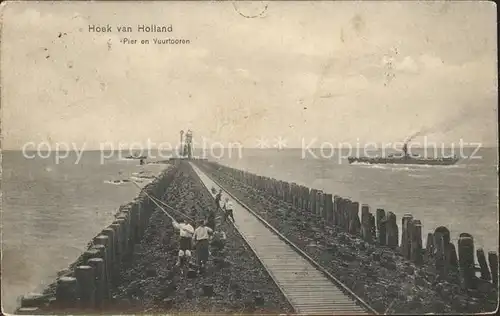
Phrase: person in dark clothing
x=200 y=239
x=218 y=197
x=211 y=219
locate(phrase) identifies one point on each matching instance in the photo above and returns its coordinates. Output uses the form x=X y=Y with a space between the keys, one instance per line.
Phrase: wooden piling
x=33 y=300
x=144 y=212
x=287 y=192
x=110 y=233
x=86 y=286
x=445 y=232
x=305 y=195
x=116 y=227
x=481 y=258
x=312 y=200
x=328 y=202
x=293 y=195
x=119 y=226
x=66 y=292
x=277 y=190
x=416 y=242
x=282 y=195
x=405 y=235
x=28 y=311
x=319 y=203
x=392 y=231
x=89 y=254
x=125 y=217
x=106 y=279
x=493 y=261
x=373 y=227
x=429 y=247
x=466 y=260
x=134 y=225
x=104 y=241
x=449 y=252
x=272 y=188
x=354 y=223
x=98 y=265
x=298 y=196
x=346 y=210
x=440 y=254
x=336 y=211
x=381 y=226
x=340 y=212
x=301 y=200
x=366 y=231
x=452 y=256
x=323 y=211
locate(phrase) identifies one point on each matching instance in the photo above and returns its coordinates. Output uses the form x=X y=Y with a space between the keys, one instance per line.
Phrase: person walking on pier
x=200 y=239
x=211 y=219
x=186 y=232
x=228 y=210
x=218 y=197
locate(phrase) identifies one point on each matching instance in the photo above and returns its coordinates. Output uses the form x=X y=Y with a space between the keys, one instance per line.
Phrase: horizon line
x=236 y=148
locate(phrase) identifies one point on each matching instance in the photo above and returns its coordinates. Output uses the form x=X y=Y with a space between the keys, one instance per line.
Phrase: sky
x=327 y=71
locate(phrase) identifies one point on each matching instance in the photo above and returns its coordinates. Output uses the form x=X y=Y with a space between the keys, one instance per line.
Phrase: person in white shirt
x=186 y=232
x=200 y=239
x=228 y=210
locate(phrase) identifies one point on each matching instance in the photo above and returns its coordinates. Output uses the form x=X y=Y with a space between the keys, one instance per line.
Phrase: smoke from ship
x=442 y=127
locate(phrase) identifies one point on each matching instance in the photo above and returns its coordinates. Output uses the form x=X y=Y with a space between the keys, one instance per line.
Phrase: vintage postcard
x=249 y=157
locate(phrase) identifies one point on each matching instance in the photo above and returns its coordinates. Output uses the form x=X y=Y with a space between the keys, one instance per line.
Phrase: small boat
x=136 y=157
x=405 y=159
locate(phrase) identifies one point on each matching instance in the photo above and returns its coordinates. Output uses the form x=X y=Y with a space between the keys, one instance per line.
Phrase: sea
x=51 y=209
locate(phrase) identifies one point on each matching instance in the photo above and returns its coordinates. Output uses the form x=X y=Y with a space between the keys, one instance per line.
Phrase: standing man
x=186 y=232
x=200 y=239
x=218 y=198
x=211 y=219
x=228 y=210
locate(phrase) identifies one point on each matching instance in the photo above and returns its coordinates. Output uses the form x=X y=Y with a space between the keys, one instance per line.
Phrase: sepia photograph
x=249 y=157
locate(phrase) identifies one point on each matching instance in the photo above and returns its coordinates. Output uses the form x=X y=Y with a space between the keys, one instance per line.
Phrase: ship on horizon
x=405 y=158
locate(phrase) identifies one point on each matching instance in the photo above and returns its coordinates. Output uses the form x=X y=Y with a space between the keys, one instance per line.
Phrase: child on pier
x=218 y=198
x=186 y=232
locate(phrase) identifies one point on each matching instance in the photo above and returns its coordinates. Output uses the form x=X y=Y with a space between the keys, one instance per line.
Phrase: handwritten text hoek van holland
x=140 y=28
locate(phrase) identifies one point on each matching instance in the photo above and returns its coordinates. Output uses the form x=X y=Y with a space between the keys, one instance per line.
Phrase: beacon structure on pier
x=186 y=145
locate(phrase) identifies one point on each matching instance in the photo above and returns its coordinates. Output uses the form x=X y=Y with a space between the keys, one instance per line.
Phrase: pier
x=292 y=249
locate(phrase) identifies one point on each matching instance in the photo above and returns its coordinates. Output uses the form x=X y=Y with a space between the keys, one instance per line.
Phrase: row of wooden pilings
x=380 y=228
x=88 y=282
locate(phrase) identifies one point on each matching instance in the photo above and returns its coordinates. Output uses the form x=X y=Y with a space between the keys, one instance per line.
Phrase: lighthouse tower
x=181 y=144
x=188 y=146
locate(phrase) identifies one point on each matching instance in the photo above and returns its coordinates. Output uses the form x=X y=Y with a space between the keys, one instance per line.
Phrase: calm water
x=50 y=211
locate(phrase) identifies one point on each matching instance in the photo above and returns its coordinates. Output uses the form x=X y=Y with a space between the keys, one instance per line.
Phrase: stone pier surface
x=362 y=249
x=130 y=266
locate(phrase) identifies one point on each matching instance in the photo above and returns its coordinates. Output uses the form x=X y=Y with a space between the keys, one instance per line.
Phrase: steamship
x=405 y=158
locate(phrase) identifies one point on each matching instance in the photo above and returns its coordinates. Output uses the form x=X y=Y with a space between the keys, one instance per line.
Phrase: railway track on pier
x=308 y=287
